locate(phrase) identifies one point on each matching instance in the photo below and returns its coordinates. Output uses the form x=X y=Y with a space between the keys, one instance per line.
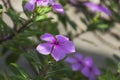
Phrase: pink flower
x=57 y=46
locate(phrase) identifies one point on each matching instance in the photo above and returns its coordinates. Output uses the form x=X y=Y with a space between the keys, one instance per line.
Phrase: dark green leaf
x=108 y=75
x=12 y=58
x=18 y=71
x=110 y=63
x=34 y=60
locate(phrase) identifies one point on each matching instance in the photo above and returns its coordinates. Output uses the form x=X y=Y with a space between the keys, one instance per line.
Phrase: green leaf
x=34 y=60
x=40 y=18
x=119 y=68
x=18 y=71
x=12 y=58
x=103 y=26
x=17 y=77
x=43 y=10
x=13 y=15
x=108 y=75
x=110 y=63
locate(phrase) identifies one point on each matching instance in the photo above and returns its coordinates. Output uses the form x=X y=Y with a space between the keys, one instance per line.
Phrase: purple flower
x=97 y=8
x=31 y=3
x=57 y=46
x=76 y=62
x=89 y=69
x=29 y=6
x=58 y=8
x=51 y=2
x=42 y=2
x=85 y=66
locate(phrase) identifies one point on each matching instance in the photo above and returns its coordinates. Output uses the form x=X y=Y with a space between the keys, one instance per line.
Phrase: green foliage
x=34 y=60
x=108 y=75
x=119 y=68
x=19 y=72
x=110 y=63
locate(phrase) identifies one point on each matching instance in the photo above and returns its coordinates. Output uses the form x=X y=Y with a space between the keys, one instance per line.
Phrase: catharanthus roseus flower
x=89 y=69
x=57 y=46
x=58 y=8
x=29 y=6
x=76 y=62
x=97 y=8
x=84 y=65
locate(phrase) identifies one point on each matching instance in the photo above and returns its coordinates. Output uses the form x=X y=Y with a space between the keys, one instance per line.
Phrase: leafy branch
x=18 y=31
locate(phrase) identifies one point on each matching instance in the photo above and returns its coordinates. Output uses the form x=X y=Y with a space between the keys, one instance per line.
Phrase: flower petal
x=47 y=37
x=88 y=61
x=58 y=8
x=58 y=53
x=61 y=38
x=68 y=47
x=76 y=67
x=78 y=56
x=85 y=71
x=94 y=7
x=29 y=6
x=70 y=60
x=105 y=10
x=97 y=8
x=44 y=48
x=92 y=77
x=42 y=3
x=51 y=2
x=96 y=71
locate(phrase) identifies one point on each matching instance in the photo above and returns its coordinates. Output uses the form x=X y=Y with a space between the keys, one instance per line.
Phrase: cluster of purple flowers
x=59 y=46
x=57 y=7
x=84 y=65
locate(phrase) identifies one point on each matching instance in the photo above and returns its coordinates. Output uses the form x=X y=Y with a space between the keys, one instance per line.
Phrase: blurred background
x=99 y=40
